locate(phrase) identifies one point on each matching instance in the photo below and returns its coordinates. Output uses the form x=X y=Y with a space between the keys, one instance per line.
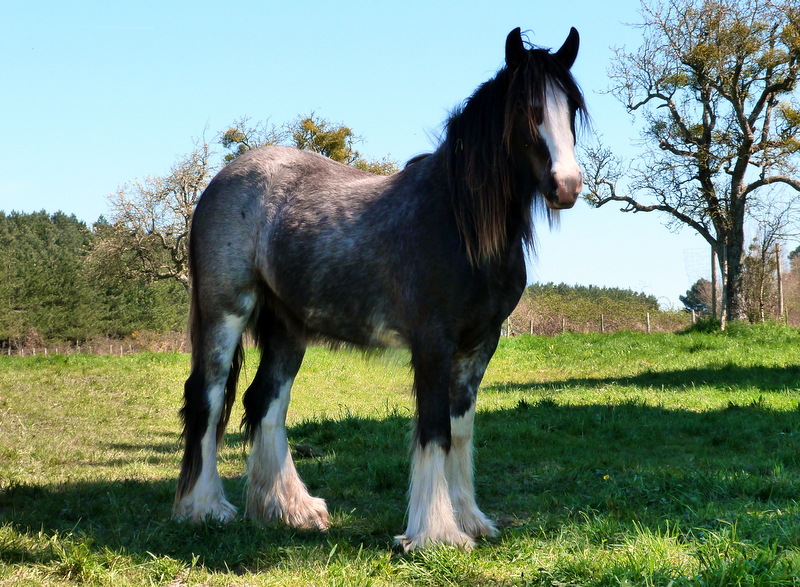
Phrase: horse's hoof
x=406 y=544
x=221 y=511
x=310 y=513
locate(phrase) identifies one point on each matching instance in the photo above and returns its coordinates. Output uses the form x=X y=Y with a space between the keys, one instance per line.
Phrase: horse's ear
x=515 y=50
x=569 y=50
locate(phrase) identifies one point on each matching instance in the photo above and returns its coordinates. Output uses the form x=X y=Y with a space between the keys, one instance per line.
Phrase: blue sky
x=99 y=93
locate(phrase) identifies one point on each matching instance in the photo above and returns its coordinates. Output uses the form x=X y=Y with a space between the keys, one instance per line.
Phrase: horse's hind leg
x=467 y=372
x=275 y=490
x=216 y=341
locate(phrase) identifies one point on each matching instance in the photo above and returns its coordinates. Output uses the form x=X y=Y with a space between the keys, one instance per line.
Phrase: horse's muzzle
x=565 y=189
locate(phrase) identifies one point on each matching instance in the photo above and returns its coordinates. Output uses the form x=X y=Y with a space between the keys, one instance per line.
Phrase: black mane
x=490 y=182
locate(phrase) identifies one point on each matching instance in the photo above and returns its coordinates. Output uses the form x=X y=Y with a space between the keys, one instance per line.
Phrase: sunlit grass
x=605 y=460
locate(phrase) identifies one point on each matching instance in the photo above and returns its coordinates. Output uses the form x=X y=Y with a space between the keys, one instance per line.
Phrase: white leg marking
x=275 y=490
x=458 y=465
x=207 y=497
x=431 y=519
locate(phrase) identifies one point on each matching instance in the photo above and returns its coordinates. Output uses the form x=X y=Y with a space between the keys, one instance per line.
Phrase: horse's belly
x=343 y=326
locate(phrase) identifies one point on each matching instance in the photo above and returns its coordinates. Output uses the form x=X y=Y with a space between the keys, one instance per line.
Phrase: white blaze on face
x=556 y=130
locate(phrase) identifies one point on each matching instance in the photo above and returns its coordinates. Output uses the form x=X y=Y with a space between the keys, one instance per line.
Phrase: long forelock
x=530 y=85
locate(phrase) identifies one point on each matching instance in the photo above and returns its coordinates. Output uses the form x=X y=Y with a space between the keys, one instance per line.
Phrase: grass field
x=621 y=459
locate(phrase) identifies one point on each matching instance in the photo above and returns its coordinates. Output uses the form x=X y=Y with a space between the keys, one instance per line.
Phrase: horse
x=297 y=249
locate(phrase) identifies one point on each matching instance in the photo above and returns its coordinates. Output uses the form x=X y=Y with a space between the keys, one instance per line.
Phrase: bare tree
x=148 y=232
x=714 y=84
x=776 y=222
x=150 y=220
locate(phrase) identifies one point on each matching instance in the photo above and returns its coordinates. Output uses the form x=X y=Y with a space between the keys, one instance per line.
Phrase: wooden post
x=780 y=280
x=723 y=312
x=509 y=326
x=648 y=323
x=602 y=323
x=563 y=325
x=531 y=327
x=713 y=282
x=694 y=317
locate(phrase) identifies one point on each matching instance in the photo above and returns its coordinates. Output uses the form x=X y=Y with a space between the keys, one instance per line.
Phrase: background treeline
x=55 y=288
x=550 y=309
x=59 y=284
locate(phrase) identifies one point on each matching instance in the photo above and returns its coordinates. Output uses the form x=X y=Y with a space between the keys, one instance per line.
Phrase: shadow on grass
x=726 y=377
x=539 y=465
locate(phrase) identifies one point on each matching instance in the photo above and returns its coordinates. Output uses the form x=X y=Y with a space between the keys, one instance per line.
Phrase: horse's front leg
x=431 y=518
x=467 y=372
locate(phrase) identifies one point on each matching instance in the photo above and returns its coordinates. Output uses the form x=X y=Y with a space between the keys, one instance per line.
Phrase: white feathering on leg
x=275 y=490
x=207 y=498
x=459 y=472
x=430 y=512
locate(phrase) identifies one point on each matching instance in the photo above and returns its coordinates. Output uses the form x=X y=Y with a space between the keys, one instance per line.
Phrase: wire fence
x=551 y=325
x=174 y=342
x=516 y=325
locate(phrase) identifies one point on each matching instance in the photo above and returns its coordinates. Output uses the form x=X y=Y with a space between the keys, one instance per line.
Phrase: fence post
x=531 y=327
x=694 y=317
x=779 y=278
x=563 y=325
x=648 y=323
x=602 y=323
x=723 y=312
x=713 y=282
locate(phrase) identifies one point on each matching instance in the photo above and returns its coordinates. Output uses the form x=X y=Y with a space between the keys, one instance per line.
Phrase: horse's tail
x=230 y=390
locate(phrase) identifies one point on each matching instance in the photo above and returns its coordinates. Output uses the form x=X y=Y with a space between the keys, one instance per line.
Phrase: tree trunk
x=734 y=284
x=735 y=252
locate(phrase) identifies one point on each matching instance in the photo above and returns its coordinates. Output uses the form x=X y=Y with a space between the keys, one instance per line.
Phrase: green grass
x=621 y=459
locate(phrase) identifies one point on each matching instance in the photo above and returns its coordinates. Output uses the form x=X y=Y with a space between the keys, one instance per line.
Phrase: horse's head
x=546 y=100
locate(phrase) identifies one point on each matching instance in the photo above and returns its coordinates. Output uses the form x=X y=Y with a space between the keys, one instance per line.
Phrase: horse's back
x=293 y=222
